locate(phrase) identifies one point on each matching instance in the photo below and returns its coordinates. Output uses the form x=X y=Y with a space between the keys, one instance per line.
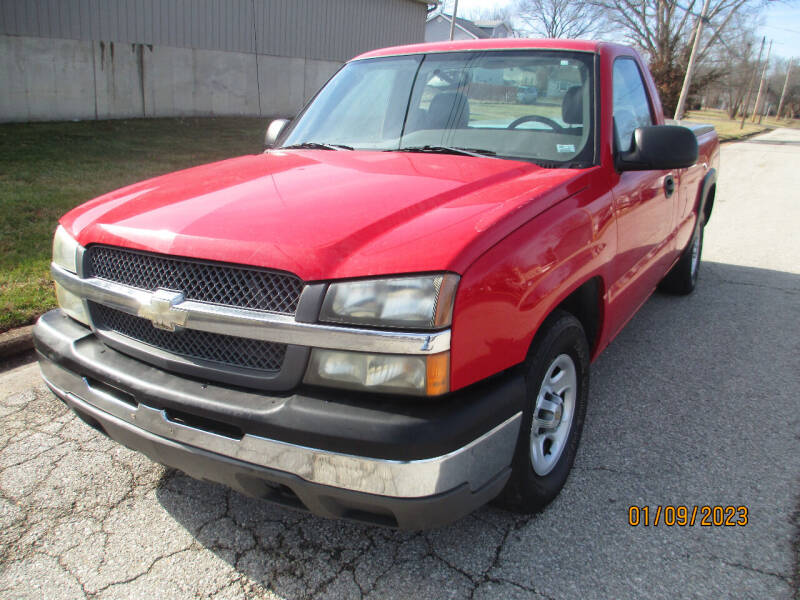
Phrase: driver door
x=643 y=200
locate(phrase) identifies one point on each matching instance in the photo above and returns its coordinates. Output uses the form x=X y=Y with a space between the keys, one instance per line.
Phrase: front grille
x=227 y=350
x=242 y=287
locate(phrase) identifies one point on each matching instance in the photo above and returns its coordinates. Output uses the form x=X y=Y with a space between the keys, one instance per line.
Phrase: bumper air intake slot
x=208 y=425
x=109 y=390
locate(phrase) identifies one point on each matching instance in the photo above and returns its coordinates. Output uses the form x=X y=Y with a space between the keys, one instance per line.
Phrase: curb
x=16 y=341
x=746 y=137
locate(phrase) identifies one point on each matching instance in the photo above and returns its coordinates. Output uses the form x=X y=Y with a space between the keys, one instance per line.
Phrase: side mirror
x=274 y=131
x=660 y=148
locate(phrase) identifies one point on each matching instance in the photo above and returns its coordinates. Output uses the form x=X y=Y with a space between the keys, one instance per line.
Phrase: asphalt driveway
x=696 y=403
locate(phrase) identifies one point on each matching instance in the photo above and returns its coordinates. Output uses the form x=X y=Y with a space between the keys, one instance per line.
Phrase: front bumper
x=412 y=465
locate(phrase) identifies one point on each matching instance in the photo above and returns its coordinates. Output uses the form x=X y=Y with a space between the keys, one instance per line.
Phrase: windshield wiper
x=479 y=152
x=316 y=146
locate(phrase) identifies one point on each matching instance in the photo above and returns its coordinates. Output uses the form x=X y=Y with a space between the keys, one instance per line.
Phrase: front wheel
x=557 y=384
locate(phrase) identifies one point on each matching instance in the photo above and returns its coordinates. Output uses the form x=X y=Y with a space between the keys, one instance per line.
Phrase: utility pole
x=453 y=22
x=762 y=84
x=783 y=93
x=752 y=81
x=692 y=58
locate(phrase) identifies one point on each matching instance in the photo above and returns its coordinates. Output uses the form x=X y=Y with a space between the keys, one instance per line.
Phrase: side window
x=631 y=108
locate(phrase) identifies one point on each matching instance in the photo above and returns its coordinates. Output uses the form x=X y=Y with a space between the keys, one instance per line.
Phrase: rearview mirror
x=659 y=148
x=274 y=131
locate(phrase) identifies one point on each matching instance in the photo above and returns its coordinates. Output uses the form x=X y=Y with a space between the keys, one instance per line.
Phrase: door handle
x=669 y=185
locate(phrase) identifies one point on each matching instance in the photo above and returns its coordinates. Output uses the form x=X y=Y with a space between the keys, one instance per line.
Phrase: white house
x=437 y=28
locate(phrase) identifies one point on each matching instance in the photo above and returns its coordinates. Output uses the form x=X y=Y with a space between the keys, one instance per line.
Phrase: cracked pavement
x=695 y=403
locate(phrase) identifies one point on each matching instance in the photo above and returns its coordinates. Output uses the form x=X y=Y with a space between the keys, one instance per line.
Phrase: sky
x=781 y=22
x=782 y=26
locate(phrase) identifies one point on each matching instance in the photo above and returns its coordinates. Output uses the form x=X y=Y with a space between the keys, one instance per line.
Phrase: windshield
x=532 y=105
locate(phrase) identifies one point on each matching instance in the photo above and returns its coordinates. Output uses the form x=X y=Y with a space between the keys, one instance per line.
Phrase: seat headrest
x=448 y=110
x=572 y=106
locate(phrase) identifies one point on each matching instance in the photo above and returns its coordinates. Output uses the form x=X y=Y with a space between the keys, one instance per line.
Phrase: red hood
x=328 y=215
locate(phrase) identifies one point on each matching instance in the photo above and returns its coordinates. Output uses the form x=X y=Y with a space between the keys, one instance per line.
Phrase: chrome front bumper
x=474 y=464
x=113 y=394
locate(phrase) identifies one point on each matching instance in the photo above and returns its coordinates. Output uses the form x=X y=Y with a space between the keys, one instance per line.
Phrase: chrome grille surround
x=203 y=281
x=258 y=324
x=297 y=332
x=227 y=350
x=240 y=358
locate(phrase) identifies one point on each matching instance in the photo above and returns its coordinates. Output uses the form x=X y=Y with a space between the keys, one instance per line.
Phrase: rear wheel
x=557 y=383
x=682 y=278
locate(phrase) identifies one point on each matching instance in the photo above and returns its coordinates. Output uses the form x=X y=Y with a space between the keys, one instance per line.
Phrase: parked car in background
x=527 y=94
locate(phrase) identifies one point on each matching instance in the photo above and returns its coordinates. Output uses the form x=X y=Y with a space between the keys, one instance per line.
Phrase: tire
x=682 y=278
x=540 y=470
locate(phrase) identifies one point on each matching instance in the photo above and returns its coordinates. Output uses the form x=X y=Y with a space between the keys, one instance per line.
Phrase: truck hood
x=328 y=214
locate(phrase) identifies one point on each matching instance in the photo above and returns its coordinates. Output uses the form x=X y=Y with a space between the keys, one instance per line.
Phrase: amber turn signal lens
x=438 y=374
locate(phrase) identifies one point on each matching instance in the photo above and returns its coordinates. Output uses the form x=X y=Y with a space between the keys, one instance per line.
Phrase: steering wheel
x=536 y=119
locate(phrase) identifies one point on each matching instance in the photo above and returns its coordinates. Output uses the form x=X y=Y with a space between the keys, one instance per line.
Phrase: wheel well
x=585 y=304
x=709 y=203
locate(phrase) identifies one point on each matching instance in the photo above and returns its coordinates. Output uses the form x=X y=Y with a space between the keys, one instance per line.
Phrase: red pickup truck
x=389 y=315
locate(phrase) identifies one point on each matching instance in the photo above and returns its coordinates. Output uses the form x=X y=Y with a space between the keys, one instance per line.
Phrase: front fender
x=507 y=293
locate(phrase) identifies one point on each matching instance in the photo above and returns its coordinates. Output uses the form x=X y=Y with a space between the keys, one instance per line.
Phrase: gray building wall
x=65 y=59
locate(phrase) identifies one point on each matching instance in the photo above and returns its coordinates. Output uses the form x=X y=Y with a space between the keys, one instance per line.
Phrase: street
x=694 y=404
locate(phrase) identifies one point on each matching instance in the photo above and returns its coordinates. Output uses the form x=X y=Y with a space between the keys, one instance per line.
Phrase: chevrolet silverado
x=389 y=315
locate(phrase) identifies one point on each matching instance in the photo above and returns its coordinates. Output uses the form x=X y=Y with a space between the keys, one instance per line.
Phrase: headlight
x=65 y=250
x=422 y=302
x=65 y=255
x=395 y=373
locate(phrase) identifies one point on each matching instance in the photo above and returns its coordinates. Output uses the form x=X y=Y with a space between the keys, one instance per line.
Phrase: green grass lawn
x=485 y=110
x=48 y=168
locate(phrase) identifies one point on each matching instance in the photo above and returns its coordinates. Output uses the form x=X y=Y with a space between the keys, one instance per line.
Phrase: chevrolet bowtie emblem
x=161 y=310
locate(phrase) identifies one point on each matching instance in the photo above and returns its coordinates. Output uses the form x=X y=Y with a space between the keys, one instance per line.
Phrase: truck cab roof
x=488 y=44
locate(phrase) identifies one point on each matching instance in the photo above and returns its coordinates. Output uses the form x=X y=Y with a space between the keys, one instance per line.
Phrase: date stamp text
x=688 y=516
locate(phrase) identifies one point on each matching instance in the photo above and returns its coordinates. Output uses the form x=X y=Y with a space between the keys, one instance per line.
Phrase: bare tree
x=665 y=29
x=777 y=81
x=560 y=18
x=728 y=67
x=727 y=89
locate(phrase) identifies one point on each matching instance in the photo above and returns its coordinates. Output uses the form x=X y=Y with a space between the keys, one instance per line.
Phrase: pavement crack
x=143 y=573
x=60 y=561
x=602 y=468
x=759 y=285
x=738 y=565
x=453 y=567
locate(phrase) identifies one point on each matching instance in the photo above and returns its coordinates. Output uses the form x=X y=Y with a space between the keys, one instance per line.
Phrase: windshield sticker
x=565 y=148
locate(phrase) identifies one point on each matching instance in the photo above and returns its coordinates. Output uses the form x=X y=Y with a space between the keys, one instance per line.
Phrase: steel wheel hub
x=552 y=414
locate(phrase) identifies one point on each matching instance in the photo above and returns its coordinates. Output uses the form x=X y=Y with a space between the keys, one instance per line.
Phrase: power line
x=782 y=28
